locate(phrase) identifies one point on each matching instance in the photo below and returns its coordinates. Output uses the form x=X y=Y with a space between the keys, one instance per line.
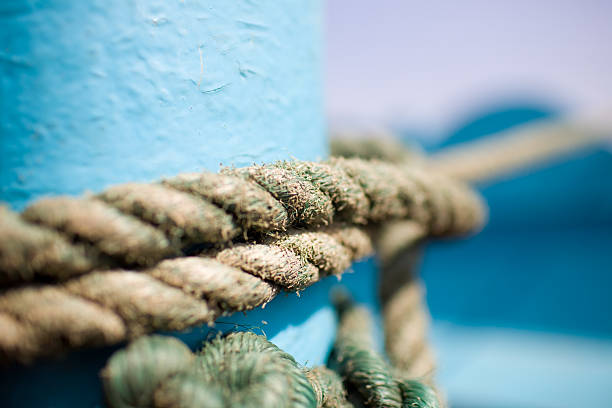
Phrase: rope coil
x=242 y=369
x=246 y=370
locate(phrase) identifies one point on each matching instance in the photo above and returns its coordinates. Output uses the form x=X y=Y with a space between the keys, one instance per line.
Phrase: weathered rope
x=513 y=149
x=138 y=225
x=355 y=359
x=406 y=324
x=242 y=369
x=366 y=371
x=110 y=306
x=405 y=315
x=373 y=146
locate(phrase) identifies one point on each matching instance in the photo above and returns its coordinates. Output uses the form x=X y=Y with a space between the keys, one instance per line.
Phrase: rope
x=328 y=388
x=367 y=372
x=405 y=315
x=355 y=359
x=135 y=226
x=373 y=146
x=516 y=148
x=406 y=322
x=110 y=306
x=242 y=369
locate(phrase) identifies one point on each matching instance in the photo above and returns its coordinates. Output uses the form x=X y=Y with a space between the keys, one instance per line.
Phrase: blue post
x=100 y=92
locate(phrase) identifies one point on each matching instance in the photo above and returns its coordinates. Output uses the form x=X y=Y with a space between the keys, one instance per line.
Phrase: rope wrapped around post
x=167 y=256
x=136 y=225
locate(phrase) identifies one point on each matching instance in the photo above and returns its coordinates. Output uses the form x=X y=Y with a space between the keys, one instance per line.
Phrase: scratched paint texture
x=104 y=91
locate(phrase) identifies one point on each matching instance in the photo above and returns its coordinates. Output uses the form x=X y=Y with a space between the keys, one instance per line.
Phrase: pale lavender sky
x=430 y=62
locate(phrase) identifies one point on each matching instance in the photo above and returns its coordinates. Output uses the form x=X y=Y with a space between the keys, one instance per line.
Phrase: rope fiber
x=244 y=369
x=140 y=257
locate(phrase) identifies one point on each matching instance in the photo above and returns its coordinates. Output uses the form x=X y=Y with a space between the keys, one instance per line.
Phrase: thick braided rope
x=406 y=322
x=109 y=306
x=136 y=225
x=355 y=359
x=72 y=235
x=242 y=369
x=406 y=318
x=366 y=371
x=513 y=149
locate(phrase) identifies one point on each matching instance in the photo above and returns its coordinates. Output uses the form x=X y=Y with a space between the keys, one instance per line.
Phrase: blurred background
x=521 y=312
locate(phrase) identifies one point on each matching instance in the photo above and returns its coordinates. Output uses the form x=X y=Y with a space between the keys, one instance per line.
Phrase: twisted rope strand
x=272 y=262
x=356 y=361
x=513 y=149
x=253 y=207
x=366 y=371
x=29 y=252
x=174 y=295
x=47 y=320
x=225 y=288
x=305 y=203
x=136 y=225
x=183 y=217
x=242 y=369
x=348 y=198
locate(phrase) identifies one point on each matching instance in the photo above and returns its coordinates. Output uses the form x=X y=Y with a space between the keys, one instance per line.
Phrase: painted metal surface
x=105 y=91
x=100 y=92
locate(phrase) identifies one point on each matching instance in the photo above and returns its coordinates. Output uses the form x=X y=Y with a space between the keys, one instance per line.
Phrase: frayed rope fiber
x=139 y=224
x=355 y=359
x=122 y=254
x=244 y=369
x=110 y=306
x=366 y=371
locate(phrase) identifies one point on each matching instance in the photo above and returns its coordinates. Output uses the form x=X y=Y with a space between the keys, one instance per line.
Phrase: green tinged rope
x=365 y=370
x=141 y=257
x=137 y=225
x=406 y=204
x=244 y=369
